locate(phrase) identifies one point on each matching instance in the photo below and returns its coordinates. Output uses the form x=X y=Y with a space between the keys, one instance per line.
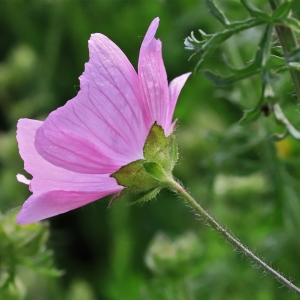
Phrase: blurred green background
x=237 y=173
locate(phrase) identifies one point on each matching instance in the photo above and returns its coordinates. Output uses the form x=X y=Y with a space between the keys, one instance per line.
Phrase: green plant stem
x=288 y=42
x=175 y=186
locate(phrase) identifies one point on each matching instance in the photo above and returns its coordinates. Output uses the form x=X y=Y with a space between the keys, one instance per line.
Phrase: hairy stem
x=228 y=237
x=288 y=42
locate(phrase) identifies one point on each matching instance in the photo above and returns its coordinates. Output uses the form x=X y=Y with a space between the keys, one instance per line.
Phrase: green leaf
x=223 y=81
x=156 y=171
x=40 y=266
x=292 y=23
x=216 y=39
x=263 y=52
x=255 y=12
x=251 y=69
x=282 y=11
x=281 y=64
x=275 y=61
x=216 y=12
x=277 y=50
x=250 y=116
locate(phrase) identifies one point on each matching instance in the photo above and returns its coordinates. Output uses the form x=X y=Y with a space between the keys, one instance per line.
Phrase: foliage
x=22 y=246
x=244 y=178
x=265 y=63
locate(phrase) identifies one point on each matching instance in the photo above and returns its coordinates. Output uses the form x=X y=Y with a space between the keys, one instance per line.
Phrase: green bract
x=151 y=174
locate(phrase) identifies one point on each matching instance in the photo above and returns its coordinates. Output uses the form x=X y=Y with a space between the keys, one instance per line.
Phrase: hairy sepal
x=151 y=174
x=161 y=149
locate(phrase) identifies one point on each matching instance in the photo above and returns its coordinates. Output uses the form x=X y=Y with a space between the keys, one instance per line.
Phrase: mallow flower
x=97 y=143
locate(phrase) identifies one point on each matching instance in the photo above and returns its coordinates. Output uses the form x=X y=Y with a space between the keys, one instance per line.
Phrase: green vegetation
x=243 y=173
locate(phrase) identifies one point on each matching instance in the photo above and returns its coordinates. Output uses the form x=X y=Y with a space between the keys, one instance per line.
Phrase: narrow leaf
x=263 y=52
x=255 y=12
x=218 y=38
x=216 y=12
x=250 y=116
x=223 y=81
x=282 y=11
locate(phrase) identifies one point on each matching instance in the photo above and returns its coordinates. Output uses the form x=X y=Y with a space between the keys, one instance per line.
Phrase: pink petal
x=52 y=186
x=175 y=87
x=47 y=177
x=153 y=79
x=23 y=179
x=102 y=128
x=42 y=206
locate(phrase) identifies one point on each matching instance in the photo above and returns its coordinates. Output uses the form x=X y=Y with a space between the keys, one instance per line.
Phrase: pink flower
x=72 y=154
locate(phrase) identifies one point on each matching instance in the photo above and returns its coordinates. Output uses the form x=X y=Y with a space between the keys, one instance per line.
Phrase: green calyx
x=154 y=172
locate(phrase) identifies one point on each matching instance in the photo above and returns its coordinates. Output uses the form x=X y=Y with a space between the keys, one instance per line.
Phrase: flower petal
x=49 y=204
x=56 y=190
x=175 y=87
x=23 y=179
x=153 y=80
x=48 y=177
x=102 y=128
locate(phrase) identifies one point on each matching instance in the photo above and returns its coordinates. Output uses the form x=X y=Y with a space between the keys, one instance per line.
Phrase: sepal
x=151 y=174
x=149 y=195
x=134 y=176
x=156 y=171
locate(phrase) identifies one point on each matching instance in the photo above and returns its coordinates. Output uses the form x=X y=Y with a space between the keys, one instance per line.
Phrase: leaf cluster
x=269 y=61
x=22 y=246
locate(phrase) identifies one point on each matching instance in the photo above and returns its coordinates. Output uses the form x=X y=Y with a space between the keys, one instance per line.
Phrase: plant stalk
x=289 y=43
x=228 y=237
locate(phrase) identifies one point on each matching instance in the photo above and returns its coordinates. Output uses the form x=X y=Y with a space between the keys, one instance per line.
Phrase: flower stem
x=289 y=43
x=228 y=237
